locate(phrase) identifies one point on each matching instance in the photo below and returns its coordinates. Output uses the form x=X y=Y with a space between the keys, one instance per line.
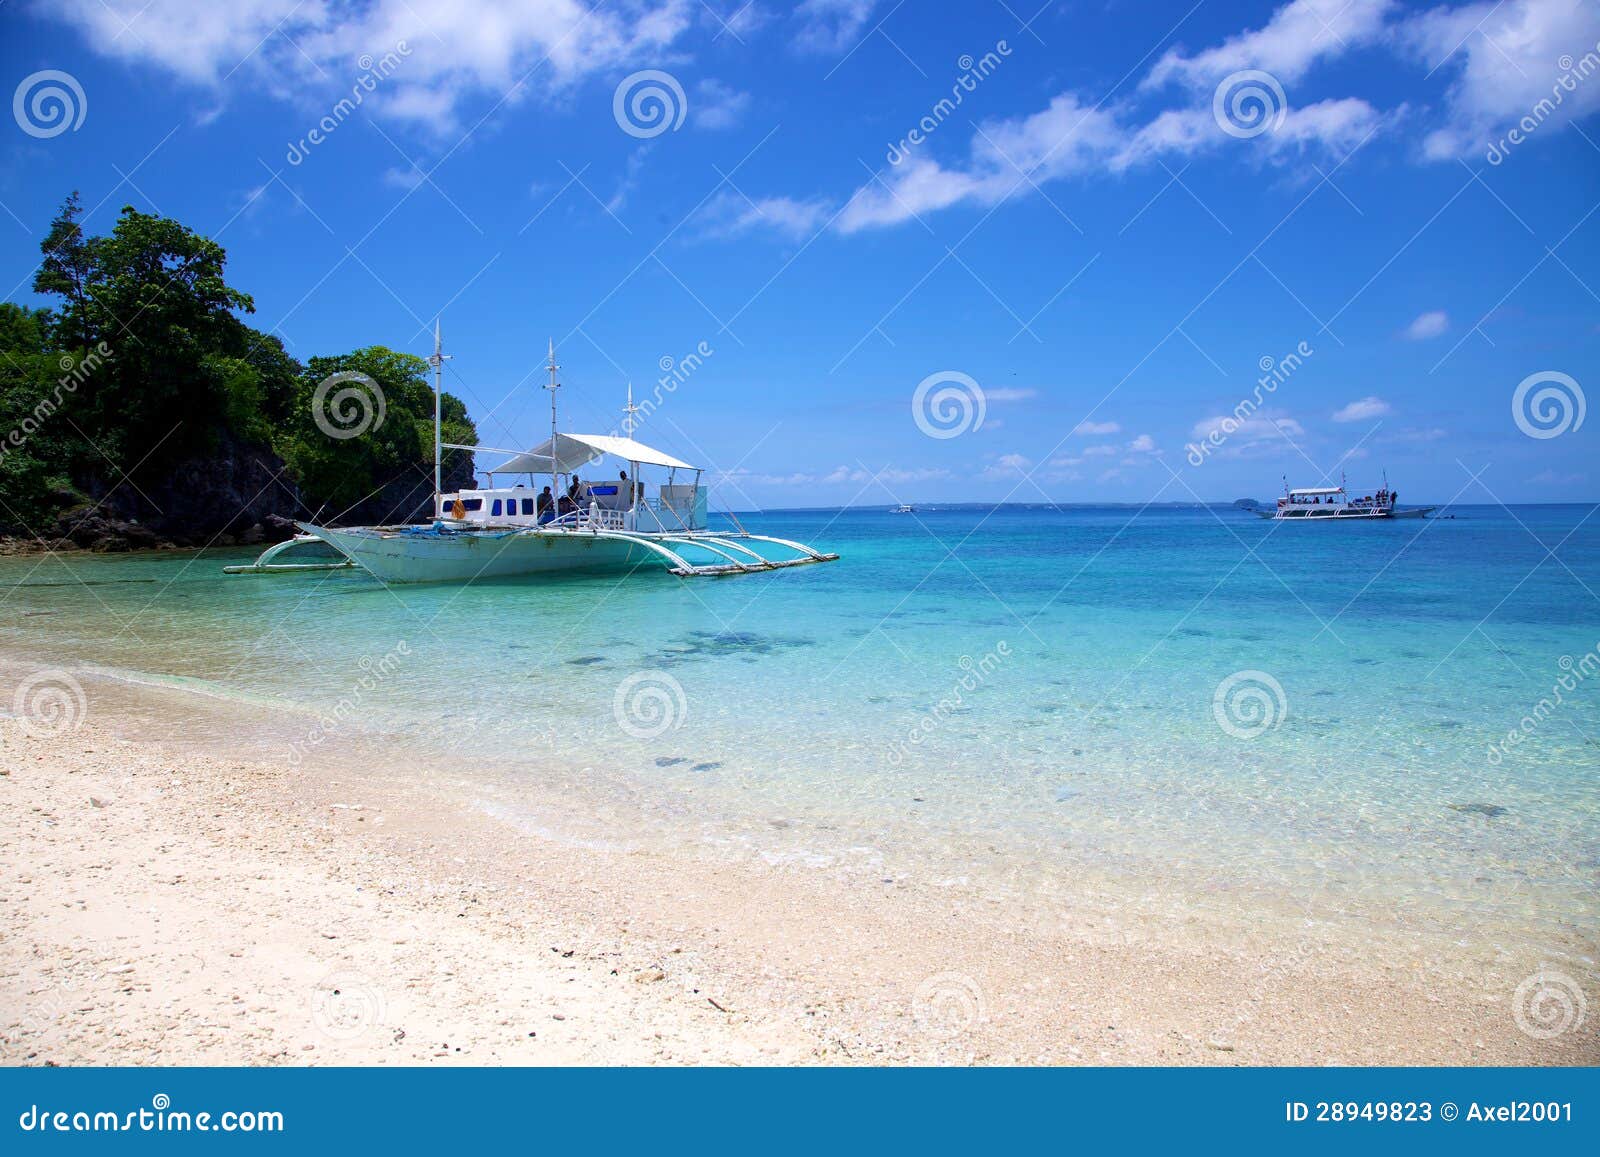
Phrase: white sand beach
x=166 y=904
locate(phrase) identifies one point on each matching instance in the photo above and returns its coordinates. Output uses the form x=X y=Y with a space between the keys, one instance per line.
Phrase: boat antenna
x=628 y=424
x=437 y=361
x=555 y=480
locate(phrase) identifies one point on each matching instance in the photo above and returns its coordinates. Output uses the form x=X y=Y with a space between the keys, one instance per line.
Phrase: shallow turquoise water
x=1011 y=696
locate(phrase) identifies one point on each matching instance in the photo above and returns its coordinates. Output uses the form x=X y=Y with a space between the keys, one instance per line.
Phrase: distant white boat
x=903 y=508
x=1335 y=503
x=611 y=522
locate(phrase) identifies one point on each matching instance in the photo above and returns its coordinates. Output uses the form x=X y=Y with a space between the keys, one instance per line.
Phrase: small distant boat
x=903 y=508
x=1335 y=502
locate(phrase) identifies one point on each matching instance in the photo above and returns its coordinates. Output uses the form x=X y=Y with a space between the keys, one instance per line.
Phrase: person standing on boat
x=545 y=506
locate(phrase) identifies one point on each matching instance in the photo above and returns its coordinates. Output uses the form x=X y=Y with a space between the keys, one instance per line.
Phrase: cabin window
x=527 y=506
x=495 y=510
x=473 y=504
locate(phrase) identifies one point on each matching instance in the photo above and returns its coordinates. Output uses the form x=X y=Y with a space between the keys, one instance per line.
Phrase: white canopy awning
x=573 y=451
x=1320 y=490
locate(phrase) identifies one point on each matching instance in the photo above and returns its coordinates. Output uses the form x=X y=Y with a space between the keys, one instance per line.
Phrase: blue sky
x=1128 y=211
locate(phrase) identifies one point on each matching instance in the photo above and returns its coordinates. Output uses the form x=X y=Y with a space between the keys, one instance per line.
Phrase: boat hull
x=1345 y=515
x=429 y=558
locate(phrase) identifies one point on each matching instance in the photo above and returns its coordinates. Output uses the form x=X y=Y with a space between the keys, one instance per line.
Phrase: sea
x=1394 y=723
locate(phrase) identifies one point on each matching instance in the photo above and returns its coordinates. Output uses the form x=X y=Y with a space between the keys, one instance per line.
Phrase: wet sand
x=172 y=901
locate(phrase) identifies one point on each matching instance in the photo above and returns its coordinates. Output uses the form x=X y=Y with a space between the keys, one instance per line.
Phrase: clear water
x=1076 y=653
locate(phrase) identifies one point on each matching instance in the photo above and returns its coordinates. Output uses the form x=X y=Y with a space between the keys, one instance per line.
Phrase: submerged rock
x=706 y=766
x=1483 y=809
x=670 y=760
x=745 y=645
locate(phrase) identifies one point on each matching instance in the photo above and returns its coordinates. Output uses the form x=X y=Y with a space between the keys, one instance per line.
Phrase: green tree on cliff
x=163 y=373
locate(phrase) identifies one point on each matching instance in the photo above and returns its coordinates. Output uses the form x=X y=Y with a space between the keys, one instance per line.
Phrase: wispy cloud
x=1298 y=36
x=1506 y=61
x=468 y=48
x=1008 y=466
x=717 y=106
x=1427 y=325
x=831 y=26
x=732 y=214
x=1362 y=410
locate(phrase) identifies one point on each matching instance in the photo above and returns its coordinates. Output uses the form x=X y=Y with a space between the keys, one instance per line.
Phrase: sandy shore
x=163 y=902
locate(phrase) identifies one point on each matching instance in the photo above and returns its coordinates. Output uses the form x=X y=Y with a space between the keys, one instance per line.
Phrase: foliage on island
x=139 y=409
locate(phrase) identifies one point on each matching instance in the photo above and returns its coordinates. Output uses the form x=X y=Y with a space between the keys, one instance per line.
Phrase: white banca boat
x=614 y=522
x=1335 y=502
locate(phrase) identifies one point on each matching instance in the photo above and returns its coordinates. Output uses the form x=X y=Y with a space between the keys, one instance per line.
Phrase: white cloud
x=305 y=49
x=1007 y=466
x=1505 y=58
x=1298 y=35
x=1087 y=429
x=1427 y=434
x=1009 y=394
x=1251 y=437
x=1552 y=478
x=1100 y=451
x=1070 y=138
x=1143 y=444
x=831 y=26
x=403 y=176
x=717 y=106
x=1064 y=138
x=1430 y=324
x=731 y=214
x=1363 y=409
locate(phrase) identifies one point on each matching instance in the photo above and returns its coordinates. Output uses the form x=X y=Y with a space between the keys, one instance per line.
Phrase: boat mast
x=437 y=361
x=635 y=487
x=628 y=424
x=555 y=479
